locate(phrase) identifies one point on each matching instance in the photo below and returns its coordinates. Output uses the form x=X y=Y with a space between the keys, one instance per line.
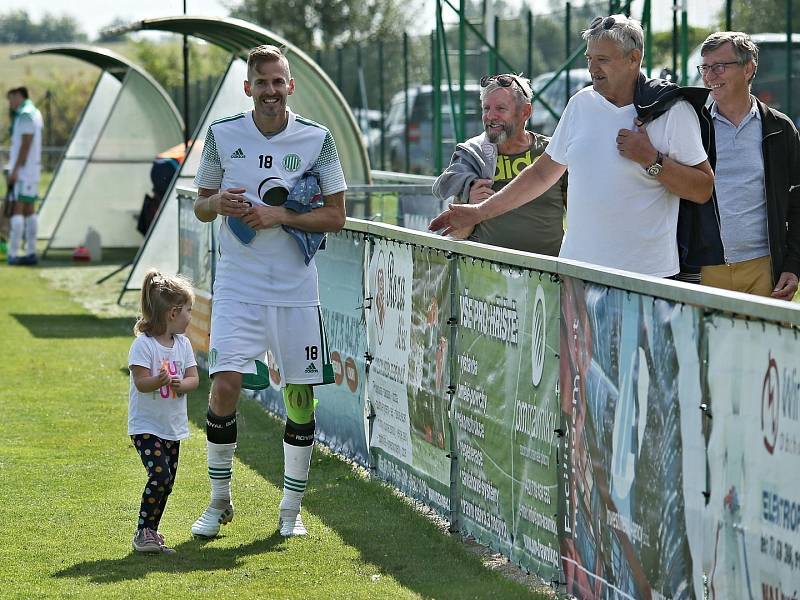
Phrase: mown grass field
x=72 y=481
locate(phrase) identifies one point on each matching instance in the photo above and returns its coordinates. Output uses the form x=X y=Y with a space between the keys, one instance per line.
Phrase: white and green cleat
x=208 y=524
x=291 y=524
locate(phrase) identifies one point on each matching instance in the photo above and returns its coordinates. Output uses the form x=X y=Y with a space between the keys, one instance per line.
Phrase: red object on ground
x=81 y=254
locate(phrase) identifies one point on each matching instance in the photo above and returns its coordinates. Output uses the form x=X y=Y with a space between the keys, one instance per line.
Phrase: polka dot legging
x=160 y=458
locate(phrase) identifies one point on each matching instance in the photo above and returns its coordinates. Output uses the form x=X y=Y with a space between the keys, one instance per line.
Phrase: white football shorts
x=294 y=337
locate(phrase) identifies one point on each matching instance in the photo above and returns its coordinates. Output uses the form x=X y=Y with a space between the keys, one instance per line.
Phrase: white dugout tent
x=315 y=97
x=104 y=174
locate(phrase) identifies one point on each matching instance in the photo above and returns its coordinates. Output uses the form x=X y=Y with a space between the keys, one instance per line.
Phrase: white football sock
x=220 y=471
x=297 y=462
x=31 y=229
x=17 y=224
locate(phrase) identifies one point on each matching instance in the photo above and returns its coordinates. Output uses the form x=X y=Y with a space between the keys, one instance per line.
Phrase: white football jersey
x=270 y=270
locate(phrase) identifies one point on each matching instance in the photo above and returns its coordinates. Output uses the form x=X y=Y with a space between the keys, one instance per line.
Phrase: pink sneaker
x=150 y=541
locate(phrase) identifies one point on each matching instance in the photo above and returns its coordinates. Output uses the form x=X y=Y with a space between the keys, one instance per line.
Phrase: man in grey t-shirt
x=486 y=163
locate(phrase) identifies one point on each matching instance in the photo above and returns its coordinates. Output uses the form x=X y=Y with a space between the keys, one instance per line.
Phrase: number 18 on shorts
x=242 y=333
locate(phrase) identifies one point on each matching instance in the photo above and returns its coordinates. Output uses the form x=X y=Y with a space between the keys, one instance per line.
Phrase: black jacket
x=698 y=236
x=780 y=147
x=699 y=240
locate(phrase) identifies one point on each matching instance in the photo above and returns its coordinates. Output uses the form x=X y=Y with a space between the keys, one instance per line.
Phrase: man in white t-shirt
x=265 y=294
x=22 y=175
x=625 y=180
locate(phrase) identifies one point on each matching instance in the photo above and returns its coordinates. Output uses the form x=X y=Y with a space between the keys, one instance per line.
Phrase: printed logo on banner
x=770 y=405
x=538 y=337
x=389 y=293
x=379 y=297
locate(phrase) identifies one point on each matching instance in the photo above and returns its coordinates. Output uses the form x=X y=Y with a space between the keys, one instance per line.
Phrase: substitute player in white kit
x=265 y=296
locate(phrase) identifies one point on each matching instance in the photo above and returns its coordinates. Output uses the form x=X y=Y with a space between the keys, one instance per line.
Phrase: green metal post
x=789 y=72
x=648 y=37
x=359 y=67
x=529 y=72
x=729 y=15
x=684 y=44
x=675 y=37
x=407 y=153
x=462 y=69
x=568 y=49
x=436 y=148
x=381 y=106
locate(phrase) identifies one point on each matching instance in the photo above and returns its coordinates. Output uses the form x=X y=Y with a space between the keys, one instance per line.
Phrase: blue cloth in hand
x=304 y=197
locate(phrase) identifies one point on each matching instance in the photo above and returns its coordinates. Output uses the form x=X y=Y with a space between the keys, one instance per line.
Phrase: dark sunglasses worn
x=506 y=80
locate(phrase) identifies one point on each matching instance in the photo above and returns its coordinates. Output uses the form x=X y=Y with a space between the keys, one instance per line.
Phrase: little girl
x=163 y=369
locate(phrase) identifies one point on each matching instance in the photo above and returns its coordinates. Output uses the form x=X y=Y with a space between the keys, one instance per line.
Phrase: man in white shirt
x=625 y=180
x=22 y=175
x=265 y=293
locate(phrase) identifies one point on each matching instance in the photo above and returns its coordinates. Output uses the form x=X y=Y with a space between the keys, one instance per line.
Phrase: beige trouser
x=750 y=276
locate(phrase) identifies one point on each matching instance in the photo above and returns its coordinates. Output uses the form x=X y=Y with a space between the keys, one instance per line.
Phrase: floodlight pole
x=185 y=87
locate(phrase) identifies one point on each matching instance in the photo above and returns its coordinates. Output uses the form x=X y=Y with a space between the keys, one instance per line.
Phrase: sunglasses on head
x=506 y=80
x=602 y=22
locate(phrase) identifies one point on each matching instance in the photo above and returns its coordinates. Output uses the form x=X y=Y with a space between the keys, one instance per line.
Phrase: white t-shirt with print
x=617 y=215
x=163 y=412
x=270 y=270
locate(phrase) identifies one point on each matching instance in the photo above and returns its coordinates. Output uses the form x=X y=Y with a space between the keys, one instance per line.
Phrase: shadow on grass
x=368 y=516
x=387 y=532
x=191 y=556
x=75 y=326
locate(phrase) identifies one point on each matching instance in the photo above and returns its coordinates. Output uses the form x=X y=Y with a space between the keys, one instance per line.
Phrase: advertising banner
x=340 y=414
x=194 y=262
x=194 y=250
x=633 y=468
x=506 y=412
x=341 y=420
x=753 y=547
x=408 y=342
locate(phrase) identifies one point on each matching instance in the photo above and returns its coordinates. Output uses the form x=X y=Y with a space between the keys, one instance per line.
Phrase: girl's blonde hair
x=160 y=293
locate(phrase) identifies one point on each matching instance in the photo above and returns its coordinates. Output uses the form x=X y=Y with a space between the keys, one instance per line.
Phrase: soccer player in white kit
x=22 y=175
x=265 y=296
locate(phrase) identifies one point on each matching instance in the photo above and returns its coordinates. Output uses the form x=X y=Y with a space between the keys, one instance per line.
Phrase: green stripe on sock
x=295 y=481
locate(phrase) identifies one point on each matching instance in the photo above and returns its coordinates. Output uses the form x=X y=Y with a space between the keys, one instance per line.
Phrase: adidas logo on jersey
x=238 y=154
x=311 y=368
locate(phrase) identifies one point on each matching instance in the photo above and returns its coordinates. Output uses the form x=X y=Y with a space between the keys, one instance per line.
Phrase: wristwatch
x=654 y=170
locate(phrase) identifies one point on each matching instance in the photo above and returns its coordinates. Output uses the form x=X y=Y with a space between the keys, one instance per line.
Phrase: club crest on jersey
x=238 y=154
x=291 y=162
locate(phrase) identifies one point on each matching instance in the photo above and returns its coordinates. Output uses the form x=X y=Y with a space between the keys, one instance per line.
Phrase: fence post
x=568 y=49
x=789 y=52
x=406 y=152
x=451 y=392
x=381 y=71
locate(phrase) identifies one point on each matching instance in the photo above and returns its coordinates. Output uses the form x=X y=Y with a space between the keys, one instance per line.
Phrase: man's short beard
x=500 y=137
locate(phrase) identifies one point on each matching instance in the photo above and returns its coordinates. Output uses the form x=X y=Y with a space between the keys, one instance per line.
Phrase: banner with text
x=633 y=467
x=506 y=411
x=340 y=414
x=408 y=341
x=753 y=525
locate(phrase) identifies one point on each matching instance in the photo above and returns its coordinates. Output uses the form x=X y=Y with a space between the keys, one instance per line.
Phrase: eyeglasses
x=716 y=68
x=604 y=22
x=505 y=81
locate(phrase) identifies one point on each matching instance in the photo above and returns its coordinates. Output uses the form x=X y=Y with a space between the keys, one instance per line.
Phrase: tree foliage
x=16 y=27
x=762 y=16
x=323 y=24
